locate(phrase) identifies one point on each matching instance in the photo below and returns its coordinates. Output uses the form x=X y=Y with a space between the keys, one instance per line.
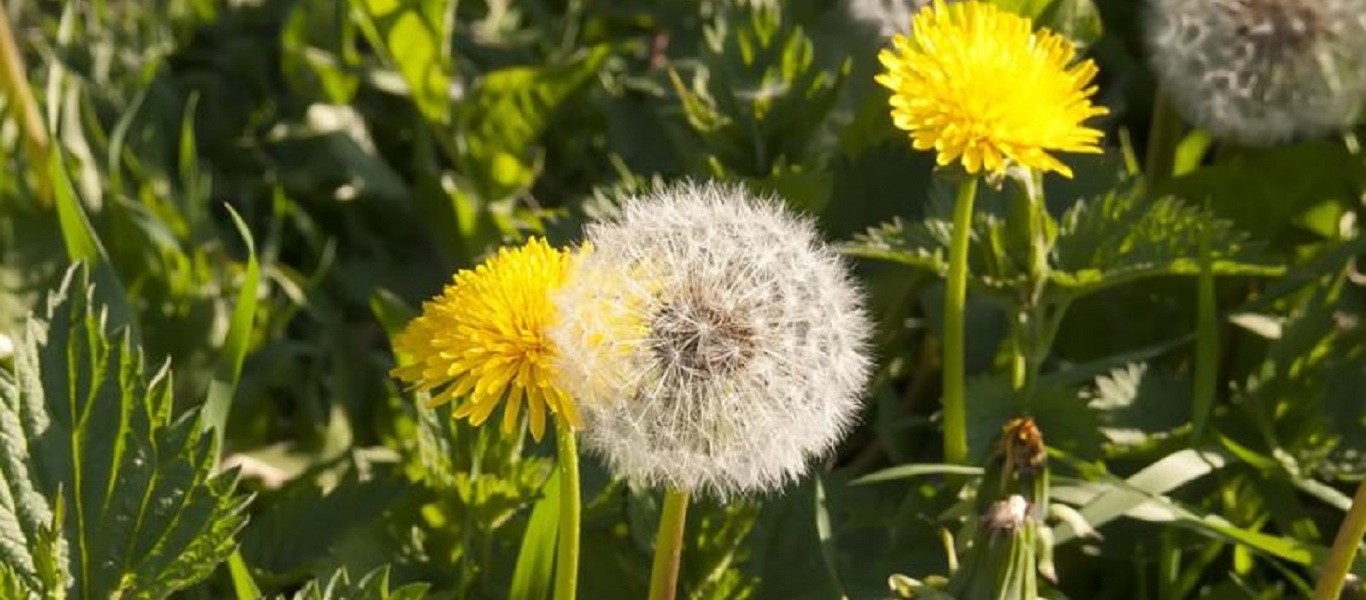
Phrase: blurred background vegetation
x=373 y=147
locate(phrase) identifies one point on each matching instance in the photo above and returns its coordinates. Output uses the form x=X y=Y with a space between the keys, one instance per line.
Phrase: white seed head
x=1261 y=71
x=714 y=344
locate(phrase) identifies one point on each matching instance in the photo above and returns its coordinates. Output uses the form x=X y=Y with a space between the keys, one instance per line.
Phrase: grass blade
x=225 y=379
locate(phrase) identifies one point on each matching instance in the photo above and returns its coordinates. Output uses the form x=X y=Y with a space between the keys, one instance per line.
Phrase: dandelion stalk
x=669 y=546
x=1041 y=98
x=14 y=85
x=1164 y=132
x=955 y=299
x=1206 y=341
x=1344 y=549
x=567 y=552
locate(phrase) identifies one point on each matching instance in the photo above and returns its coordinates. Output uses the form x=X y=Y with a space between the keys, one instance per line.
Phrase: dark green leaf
x=372 y=586
x=89 y=431
x=1124 y=236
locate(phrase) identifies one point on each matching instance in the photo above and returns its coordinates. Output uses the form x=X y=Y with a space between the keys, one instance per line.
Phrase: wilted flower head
x=979 y=86
x=484 y=339
x=716 y=345
x=1261 y=71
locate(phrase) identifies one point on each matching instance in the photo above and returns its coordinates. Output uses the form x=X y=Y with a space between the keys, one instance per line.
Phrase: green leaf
x=318 y=50
x=372 y=586
x=1142 y=497
x=1138 y=402
x=908 y=471
x=225 y=379
x=1250 y=186
x=88 y=430
x=1076 y=19
x=924 y=246
x=1309 y=386
x=415 y=36
x=534 y=573
x=759 y=95
x=1161 y=477
x=1124 y=236
x=1061 y=413
x=82 y=244
x=295 y=534
x=499 y=124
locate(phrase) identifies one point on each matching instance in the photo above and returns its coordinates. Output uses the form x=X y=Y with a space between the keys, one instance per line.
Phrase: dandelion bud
x=1261 y=71
x=1003 y=559
x=715 y=343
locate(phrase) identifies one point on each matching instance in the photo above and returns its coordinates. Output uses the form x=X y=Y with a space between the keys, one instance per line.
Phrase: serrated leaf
x=372 y=586
x=1123 y=236
x=1061 y=414
x=1251 y=186
x=924 y=246
x=1312 y=379
x=87 y=429
x=1137 y=402
x=759 y=95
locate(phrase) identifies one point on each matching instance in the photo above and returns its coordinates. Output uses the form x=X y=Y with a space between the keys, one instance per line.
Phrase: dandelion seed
x=1261 y=71
x=716 y=345
x=484 y=340
x=980 y=87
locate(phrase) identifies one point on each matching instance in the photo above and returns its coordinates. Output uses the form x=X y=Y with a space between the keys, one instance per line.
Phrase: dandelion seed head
x=1261 y=72
x=715 y=344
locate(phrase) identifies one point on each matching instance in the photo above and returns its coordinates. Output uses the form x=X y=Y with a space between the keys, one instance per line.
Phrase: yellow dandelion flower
x=979 y=86
x=484 y=340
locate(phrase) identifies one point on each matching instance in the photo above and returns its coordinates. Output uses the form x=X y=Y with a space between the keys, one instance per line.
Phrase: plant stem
x=1344 y=550
x=567 y=552
x=1164 y=133
x=1206 y=342
x=955 y=298
x=669 y=546
x=14 y=85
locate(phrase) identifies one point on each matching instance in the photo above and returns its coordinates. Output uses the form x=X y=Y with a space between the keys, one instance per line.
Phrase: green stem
x=669 y=546
x=1164 y=134
x=567 y=552
x=243 y=586
x=955 y=299
x=14 y=85
x=1206 y=342
x=1344 y=549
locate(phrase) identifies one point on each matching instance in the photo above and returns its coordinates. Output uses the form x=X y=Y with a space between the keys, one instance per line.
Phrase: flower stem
x=567 y=552
x=14 y=85
x=1344 y=550
x=1206 y=342
x=955 y=298
x=669 y=546
x=1164 y=134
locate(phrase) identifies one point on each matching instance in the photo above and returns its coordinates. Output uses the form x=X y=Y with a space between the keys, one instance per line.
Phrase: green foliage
x=1103 y=242
x=365 y=149
x=372 y=586
x=97 y=455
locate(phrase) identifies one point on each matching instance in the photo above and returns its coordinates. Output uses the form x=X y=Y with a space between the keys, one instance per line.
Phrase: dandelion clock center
x=695 y=335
